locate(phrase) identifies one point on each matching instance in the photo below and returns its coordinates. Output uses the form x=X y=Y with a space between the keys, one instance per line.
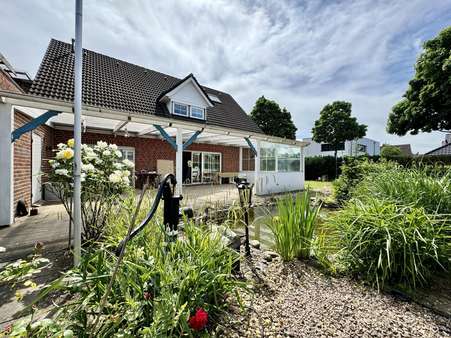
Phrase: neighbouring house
x=444 y=149
x=362 y=146
x=406 y=149
x=160 y=122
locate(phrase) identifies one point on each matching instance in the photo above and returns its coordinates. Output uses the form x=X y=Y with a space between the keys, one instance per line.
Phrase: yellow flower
x=71 y=143
x=68 y=153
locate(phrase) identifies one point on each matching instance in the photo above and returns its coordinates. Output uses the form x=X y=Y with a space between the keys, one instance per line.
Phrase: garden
x=353 y=270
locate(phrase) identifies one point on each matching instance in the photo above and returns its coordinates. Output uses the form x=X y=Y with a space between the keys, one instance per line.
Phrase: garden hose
x=164 y=189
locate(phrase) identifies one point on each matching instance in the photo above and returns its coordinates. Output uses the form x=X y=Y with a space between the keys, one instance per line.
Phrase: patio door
x=211 y=167
x=196 y=167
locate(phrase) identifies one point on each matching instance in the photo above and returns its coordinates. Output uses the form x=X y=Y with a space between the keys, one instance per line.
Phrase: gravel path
x=297 y=300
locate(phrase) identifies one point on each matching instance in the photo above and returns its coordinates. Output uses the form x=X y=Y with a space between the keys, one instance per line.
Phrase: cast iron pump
x=171 y=209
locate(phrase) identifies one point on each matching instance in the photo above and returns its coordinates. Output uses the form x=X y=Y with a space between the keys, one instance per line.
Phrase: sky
x=302 y=54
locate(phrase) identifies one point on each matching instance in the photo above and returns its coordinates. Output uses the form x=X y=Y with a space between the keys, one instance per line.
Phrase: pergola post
x=302 y=168
x=179 y=160
x=257 y=168
x=6 y=164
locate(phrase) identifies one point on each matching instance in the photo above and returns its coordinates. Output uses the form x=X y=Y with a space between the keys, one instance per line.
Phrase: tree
x=272 y=120
x=426 y=105
x=389 y=151
x=335 y=126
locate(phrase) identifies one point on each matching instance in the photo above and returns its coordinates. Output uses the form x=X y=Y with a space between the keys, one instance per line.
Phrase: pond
x=259 y=218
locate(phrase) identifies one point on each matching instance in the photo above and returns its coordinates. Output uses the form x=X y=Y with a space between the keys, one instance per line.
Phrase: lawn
x=322 y=186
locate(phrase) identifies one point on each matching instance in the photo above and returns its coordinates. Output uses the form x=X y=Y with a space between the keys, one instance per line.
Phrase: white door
x=36 y=155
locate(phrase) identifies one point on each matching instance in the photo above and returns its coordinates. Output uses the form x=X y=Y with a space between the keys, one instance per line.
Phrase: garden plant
x=294 y=226
x=105 y=177
x=163 y=288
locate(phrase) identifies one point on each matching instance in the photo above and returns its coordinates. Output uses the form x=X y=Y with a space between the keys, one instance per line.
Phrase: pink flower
x=147 y=295
x=199 y=320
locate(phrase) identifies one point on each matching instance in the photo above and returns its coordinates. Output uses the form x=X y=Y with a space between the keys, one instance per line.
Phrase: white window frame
x=189 y=110
x=195 y=117
x=181 y=104
x=266 y=157
x=132 y=150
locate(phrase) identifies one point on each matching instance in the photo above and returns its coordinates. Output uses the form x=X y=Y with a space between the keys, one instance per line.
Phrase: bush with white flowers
x=104 y=176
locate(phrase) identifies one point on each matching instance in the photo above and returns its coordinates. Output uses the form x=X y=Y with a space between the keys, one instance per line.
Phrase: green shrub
x=294 y=226
x=353 y=171
x=385 y=242
x=159 y=284
x=420 y=187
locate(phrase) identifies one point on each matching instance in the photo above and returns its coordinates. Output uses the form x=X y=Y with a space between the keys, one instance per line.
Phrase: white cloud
x=303 y=54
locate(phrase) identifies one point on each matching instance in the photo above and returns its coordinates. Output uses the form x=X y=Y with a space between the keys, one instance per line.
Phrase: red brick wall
x=148 y=150
x=7 y=84
x=23 y=155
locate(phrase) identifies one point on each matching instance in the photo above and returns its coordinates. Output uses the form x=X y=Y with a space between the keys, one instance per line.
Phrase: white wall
x=373 y=148
x=187 y=94
x=272 y=182
x=6 y=165
x=275 y=182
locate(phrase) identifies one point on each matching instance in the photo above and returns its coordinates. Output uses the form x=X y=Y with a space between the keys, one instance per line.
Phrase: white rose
x=102 y=144
x=59 y=155
x=63 y=172
x=118 y=153
x=87 y=167
x=113 y=147
x=61 y=145
x=126 y=173
x=54 y=164
x=128 y=163
x=118 y=165
x=106 y=153
x=126 y=180
x=115 y=178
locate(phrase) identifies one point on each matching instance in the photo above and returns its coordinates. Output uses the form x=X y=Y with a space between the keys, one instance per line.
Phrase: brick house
x=159 y=122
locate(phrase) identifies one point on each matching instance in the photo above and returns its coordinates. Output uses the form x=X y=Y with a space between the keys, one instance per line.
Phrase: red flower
x=147 y=295
x=8 y=328
x=199 y=320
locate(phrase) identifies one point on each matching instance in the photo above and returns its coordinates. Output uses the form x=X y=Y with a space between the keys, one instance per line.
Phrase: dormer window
x=186 y=110
x=180 y=109
x=197 y=112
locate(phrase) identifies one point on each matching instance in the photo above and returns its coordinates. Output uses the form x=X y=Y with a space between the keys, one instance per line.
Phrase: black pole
x=246 y=221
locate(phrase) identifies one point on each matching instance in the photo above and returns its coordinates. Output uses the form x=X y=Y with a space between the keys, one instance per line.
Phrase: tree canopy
x=335 y=126
x=426 y=105
x=273 y=120
x=389 y=150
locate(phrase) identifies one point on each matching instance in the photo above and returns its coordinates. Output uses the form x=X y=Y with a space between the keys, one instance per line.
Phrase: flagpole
x=77 y=129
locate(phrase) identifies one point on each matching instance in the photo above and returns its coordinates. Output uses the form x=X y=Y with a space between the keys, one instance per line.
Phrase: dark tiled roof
x=119 y=85
x=443 y=150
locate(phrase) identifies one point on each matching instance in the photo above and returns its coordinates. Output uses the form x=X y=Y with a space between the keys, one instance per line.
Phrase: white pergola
x=125 y=123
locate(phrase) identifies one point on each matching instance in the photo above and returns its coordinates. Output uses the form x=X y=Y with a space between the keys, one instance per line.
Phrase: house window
x=330 y=147
x=268 y=159
x=288 y=159
x=247 y=159
x=197 y=112
x=361 y=148
x=180 y=109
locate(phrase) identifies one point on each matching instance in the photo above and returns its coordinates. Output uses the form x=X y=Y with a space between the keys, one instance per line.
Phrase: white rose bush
x=105 y=178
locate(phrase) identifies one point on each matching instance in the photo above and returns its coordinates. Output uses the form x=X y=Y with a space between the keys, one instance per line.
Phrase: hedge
x=319 y=167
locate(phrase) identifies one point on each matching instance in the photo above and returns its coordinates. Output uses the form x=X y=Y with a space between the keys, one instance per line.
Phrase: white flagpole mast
x=77 y=129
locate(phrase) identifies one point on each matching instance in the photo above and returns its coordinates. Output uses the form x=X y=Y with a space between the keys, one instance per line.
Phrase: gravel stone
x=295 y=299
